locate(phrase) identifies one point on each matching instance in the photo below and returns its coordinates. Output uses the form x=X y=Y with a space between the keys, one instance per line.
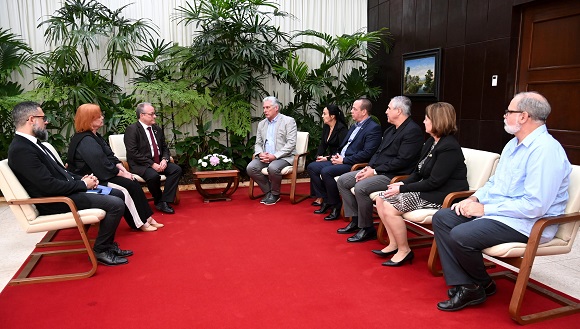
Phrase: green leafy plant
x=191 y=148
x=15 y=55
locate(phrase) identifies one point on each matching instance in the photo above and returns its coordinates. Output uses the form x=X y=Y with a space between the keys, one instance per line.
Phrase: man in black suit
x=360 y=144
x=42 y=176
x=148 y=157
x=397 y=155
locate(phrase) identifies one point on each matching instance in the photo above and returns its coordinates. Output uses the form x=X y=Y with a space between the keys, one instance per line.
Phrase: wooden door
x=549 y=63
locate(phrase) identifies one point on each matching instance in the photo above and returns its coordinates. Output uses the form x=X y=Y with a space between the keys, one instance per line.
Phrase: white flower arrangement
x=214 y=162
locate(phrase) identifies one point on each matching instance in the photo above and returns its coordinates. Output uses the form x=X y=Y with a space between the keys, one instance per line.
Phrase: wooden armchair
x=26 y=214
x=117 y=144
x=522 y=255
x=480 y=166
x=291 y=172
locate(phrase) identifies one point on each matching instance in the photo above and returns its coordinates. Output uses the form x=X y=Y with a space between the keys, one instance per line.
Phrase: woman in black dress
x=333 y=133
x=89 y=153
x=440 y=171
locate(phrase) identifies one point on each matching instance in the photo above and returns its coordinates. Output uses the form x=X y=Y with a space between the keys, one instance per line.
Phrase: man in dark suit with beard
x=42 y=176
x=148 y=157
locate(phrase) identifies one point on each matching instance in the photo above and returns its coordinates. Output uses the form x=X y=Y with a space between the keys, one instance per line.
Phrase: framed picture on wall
x=421 y=71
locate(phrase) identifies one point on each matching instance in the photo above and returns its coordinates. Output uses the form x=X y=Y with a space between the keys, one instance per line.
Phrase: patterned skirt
x=409 y=201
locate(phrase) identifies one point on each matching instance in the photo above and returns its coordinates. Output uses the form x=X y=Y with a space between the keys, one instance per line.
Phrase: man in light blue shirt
x=530 y=182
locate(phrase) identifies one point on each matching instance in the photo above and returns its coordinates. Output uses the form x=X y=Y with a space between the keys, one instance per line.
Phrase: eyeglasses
x=44 y=118
x=151 y=114
x=510 y=111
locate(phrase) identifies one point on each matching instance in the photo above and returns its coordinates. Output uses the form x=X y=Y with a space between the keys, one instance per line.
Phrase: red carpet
x=241 y=264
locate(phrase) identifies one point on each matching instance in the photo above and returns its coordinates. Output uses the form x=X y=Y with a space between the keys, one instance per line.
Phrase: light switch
x=494 y=80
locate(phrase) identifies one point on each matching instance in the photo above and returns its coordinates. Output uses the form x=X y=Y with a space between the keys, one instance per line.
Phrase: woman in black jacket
x=333 y=133
x=89 y=153
x=440 y=171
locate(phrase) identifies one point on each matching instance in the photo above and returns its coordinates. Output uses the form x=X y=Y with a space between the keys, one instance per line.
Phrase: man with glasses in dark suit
x=148 y=156
x=42 y=175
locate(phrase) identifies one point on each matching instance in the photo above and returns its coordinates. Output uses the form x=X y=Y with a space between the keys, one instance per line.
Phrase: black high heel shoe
x=384 y=254
x=408 y=258
x=323 y=209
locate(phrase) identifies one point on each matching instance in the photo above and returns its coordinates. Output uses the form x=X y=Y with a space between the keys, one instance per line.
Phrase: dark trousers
x=322 y=183
x=139 y=200
x=460 y=241
x=153 y=180
x=113 y=204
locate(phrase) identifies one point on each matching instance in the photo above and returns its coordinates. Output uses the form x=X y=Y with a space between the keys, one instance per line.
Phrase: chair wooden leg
x=35 y=257
x=251 y=191
x=522 y=284
x=433 y=261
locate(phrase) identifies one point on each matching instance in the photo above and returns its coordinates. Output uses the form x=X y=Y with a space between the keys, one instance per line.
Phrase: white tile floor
x=559 y=272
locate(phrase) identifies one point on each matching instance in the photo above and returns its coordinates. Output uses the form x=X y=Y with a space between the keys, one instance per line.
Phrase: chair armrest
x=53 y=199
x=358 y=166
x=398 y=178
x=448 y=201
x=297 y=158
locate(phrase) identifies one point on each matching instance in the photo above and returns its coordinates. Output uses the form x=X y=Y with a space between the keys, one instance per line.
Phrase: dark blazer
x=443 y=171
x=329 y=146
x=40 y=178
x=89 y=153
x=364 y=144
x=138 y=148
x=399 y=151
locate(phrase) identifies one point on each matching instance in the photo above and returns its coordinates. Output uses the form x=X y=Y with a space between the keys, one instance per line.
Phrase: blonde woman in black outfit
x=333 y=133
x=440 y=171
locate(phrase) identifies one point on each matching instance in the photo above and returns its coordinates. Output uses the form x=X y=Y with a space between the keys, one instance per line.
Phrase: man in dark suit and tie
x=397 y=155
x=148 y=157
x=361 y=142
x=42 y=176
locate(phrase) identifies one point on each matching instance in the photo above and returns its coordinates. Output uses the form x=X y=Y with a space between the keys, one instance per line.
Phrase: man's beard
x=40 y=133
x=512 y=130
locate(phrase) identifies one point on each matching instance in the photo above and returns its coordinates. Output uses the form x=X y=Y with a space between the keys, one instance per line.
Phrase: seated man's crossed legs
x=359 y=206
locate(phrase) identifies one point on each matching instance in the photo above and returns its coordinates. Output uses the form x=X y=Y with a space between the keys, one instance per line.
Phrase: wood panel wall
x=478 y=39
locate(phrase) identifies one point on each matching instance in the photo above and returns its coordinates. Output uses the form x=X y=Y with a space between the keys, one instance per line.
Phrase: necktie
x=55 y=162
x=155 y=149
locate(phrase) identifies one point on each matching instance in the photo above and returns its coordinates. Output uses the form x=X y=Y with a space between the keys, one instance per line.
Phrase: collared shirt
x=530 y=182
x=270 y=142
x=357 y=128
x=149 y=139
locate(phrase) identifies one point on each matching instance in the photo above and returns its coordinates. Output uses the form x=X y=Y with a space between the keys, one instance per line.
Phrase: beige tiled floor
x=560 y=272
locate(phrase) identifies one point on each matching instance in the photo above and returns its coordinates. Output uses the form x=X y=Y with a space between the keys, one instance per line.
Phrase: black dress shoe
x=489 y=288
x=384 y=254
x=109 y=258
x=408 y=258
x=351 y=227
x=364 y=234
x=334 y=214
x=323 y=208
x=316 y=204
x=463 y=297
x=120 y=252
x=164 y=207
